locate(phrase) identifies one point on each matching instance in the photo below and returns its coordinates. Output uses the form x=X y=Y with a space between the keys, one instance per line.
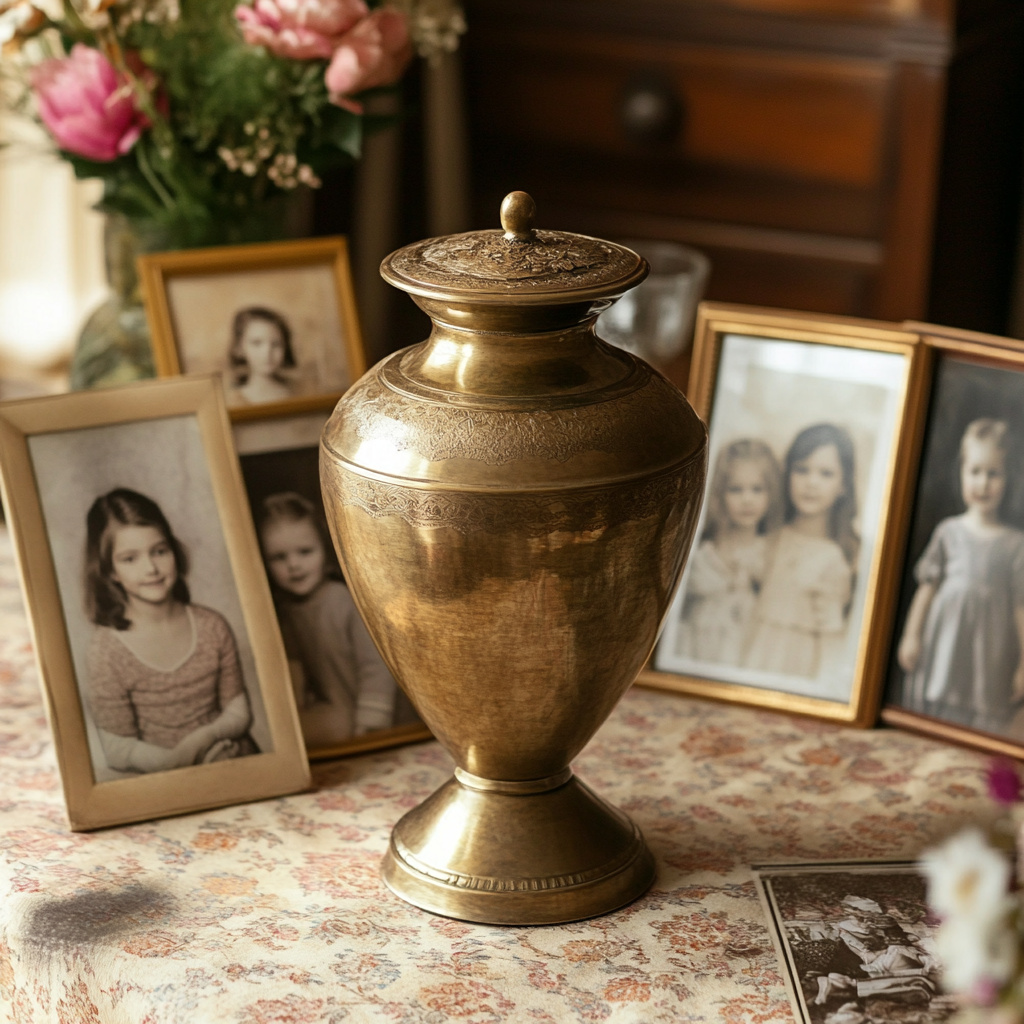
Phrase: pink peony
x=374 y=52
x=87 y=109
x=299 y=29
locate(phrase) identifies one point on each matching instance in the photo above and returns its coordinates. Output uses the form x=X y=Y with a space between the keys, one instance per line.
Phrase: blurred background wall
x=860 y=157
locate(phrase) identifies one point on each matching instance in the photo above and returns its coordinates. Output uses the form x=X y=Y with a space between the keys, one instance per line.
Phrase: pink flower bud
x=299 y=29
x=984 y=992
x=87 y=108
x=1003 y=781
x=375 y=52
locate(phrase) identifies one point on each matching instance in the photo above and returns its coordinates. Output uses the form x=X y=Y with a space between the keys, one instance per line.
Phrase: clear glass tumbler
x=655 y=319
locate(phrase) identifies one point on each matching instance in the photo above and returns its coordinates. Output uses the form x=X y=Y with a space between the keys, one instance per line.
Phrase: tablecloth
x=274 y=913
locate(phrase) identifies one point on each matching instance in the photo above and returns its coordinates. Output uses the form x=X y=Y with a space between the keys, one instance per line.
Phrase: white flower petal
x=967 y=878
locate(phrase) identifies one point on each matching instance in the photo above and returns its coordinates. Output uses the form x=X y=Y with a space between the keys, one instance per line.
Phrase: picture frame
x=854 y=936
x=116 y=500
x=974 y=378
x=340 y=680
x=805 y=625
x=289 y=305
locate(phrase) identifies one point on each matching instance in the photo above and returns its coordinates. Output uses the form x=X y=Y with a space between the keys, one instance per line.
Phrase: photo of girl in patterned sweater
x=165 y=687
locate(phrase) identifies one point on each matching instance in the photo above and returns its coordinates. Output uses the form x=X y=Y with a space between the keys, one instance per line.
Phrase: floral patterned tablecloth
x=273 y=913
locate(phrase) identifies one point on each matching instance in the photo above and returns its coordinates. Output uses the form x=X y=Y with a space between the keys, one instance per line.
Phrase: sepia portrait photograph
x=158 y=628
x=162 y=656
x=277 y=321
x=958 y=649
x=347 y=698
x=857 y=943
x=801 y=446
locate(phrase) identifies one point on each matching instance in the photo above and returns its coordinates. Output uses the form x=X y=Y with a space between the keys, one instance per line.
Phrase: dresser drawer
x=807 y=117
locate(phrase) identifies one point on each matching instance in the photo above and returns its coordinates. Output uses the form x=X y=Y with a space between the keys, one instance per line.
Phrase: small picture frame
x=855 y=940
x=956 y=662
x=277 y=320
x=784 y=602
x=348 y=700
x=164 y=676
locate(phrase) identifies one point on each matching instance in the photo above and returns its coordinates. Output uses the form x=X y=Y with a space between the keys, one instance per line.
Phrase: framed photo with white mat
x=786 y=600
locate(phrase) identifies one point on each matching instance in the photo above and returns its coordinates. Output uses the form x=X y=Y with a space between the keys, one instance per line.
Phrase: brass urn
x=513 y=501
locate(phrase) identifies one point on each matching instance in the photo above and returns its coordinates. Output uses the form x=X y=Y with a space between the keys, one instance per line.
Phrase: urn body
x=512 y=502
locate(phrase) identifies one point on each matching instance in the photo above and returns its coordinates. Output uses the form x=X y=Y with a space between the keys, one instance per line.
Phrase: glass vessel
x=655 y=319
x=113 y=345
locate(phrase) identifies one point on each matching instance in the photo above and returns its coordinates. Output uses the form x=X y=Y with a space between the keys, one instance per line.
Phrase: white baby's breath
x=434 y=25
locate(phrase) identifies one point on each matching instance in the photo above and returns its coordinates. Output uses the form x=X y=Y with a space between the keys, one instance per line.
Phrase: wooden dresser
x=797 y=142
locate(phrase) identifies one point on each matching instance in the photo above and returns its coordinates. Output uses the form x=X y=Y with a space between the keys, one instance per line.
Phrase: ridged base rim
x=571 y=891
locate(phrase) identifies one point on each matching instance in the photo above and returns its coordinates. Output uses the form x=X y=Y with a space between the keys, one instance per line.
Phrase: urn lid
x=516 y=265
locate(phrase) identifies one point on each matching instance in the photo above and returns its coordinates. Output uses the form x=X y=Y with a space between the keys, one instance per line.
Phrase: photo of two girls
x=774 y=594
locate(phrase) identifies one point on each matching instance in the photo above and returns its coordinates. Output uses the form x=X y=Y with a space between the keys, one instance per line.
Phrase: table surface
x=274 y=913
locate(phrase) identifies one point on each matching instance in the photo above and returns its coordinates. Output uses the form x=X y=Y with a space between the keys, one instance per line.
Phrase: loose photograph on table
x=170 y=660
x=957 y=664
x=277 y=321
x=348 y=700
x=777 y=604
x=856 y=942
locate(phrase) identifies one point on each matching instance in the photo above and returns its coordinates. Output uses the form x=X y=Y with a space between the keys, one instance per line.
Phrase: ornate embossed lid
x=517 y=265
x=513 y=390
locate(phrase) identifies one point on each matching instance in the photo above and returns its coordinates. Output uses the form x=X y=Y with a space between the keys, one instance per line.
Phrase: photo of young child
x=342 y=687
x=164 y=682
x=260 y=355
x=773 y=597
x=729 y=566
x=274 y=334
x=802 y=608
x=958 y=648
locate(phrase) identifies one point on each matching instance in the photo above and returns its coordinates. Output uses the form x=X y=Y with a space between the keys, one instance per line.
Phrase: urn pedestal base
x=539 y=852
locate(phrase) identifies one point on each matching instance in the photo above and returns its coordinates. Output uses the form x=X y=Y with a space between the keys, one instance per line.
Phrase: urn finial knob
x=517 y=212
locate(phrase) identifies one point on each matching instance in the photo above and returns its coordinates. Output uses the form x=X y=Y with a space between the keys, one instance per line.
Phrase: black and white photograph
x=343 y=689
x=162 y=656
x=958 y=648
x=277 y=321
x=802 y=438
x=856 y=941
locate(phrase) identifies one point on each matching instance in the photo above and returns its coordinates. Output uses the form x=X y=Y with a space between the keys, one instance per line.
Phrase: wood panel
x=790 y=114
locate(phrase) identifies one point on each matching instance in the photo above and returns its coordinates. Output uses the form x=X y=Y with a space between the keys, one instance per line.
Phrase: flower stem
x=147 y=169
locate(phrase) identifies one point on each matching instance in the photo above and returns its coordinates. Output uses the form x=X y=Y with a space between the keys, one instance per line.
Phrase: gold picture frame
x=281 y=454
x=289 y=280
x=973 y=375
x=890 y=366
x=167 y=442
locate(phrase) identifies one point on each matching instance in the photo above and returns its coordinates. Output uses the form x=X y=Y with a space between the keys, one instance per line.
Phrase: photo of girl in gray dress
x=964 y=633
x=958 y=648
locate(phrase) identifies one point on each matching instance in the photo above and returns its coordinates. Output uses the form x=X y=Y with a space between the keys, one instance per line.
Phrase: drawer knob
x=650 y=110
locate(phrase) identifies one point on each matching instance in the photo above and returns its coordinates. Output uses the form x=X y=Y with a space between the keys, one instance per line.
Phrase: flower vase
x=113 y=346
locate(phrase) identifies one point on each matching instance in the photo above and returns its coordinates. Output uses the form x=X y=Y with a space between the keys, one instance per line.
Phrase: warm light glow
x=36 y=321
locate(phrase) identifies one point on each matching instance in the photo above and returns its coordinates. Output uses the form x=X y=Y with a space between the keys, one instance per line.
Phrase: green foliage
x=233 y=127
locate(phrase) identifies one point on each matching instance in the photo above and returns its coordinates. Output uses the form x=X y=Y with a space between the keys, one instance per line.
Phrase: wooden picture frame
x=205 y=306
x=863 y=381
x=279 y=458
x=99 y=455
x=975 y=377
